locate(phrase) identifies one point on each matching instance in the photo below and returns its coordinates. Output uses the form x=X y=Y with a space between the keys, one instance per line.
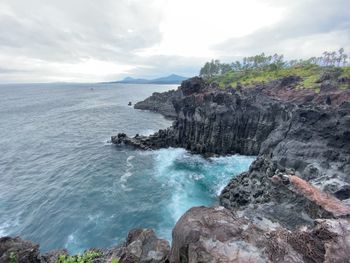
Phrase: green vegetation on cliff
x=262 y=68
x=87 y=257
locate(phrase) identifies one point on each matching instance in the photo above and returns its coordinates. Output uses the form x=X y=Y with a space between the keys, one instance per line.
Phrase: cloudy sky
x=101 y=40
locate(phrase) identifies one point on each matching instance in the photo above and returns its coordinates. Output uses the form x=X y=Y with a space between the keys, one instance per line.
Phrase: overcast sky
x=101 y=40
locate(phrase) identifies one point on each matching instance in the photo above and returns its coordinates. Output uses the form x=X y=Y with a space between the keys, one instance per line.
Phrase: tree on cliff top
x=262 y=62
x=263 y=68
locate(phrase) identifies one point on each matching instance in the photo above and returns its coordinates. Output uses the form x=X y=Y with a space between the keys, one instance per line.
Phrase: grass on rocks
x=310 y=75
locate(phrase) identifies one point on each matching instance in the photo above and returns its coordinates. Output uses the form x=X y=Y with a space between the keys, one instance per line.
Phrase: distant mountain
x=171 y=79
x=132 y=80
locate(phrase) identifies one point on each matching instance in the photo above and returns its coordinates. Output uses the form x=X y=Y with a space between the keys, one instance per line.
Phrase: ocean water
x=63 y=185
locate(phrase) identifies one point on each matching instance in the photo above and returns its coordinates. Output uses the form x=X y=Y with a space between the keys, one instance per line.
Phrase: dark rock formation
x=217 y=235
x=302 y=141
x=141 y=245
x=161 y=103
x=18 y=250
x=310 y=137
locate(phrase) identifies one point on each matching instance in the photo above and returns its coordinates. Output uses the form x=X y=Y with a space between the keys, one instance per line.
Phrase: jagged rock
x=18 y=250
x=193 y=85
x=161 y=103
x=142 y=245
x=53 y=256
x=288 y=200
x=216 y=235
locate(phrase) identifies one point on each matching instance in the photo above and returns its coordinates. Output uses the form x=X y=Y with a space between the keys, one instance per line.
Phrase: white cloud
x=189 y=28
x=88 y=40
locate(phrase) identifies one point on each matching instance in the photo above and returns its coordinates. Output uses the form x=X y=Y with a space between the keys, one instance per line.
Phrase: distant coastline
x=171 y=79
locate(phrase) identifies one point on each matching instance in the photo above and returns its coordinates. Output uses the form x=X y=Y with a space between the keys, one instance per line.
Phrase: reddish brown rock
x=325 y=200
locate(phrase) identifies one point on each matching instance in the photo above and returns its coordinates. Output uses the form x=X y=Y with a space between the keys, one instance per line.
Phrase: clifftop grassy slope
x=261 y=69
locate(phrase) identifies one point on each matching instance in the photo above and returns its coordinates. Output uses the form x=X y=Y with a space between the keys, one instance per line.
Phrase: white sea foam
x=71 y=241
x=147 y=132
x=107 y=142
x=3 y=229
x=193 y=180
x=94 y=217
x=8 y=226
x=127 y=174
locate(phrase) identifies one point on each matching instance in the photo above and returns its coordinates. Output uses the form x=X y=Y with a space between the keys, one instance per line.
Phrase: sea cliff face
x=308 y=136
x=301 y=175
x=161 y=103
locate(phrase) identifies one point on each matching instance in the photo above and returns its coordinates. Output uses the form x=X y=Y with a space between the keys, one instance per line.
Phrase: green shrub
x=87 y=257
x=12 y=258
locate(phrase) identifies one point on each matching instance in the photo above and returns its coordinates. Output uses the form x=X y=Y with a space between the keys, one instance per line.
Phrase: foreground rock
x=19 y=250
x=141 y=245
x=217 y=235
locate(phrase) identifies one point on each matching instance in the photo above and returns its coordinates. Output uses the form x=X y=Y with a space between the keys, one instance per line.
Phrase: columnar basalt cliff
x=300 y=133
x=302 y=173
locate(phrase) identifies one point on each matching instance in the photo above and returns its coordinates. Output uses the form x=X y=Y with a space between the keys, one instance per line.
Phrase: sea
x=64 y=185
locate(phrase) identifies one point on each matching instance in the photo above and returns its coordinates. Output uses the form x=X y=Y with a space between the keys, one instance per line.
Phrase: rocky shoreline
x=293 y=205
x=302 y=141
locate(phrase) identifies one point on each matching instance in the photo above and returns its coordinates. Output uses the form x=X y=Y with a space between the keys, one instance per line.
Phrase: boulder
x=215 y=234
x=142 y=245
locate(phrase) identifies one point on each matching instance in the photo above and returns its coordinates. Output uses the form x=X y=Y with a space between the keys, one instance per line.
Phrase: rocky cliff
x=301 y=175
x=161 y=103
x=303 y=133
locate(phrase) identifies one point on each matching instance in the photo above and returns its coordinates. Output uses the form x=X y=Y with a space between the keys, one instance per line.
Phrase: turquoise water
x=63 y=185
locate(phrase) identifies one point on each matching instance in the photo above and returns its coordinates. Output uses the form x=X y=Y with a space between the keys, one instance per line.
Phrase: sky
x=105 y=40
